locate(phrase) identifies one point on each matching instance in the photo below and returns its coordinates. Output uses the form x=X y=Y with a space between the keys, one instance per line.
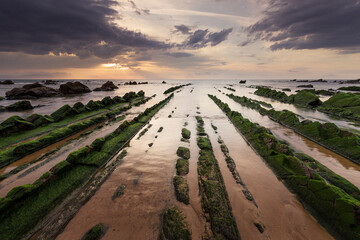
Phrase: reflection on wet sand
x=333 y=161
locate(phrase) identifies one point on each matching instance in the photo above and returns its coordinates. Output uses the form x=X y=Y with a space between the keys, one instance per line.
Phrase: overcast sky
x=187 y=39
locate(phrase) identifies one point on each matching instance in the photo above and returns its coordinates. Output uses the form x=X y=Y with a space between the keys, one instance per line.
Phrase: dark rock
x=259 y=227
x=32 y=85
x=131 y=83
x=6 y=82
x=73 y=88
x=31 y=91
x=353 y=81
x=163 y=82
x=242 y=82
x=20 y=106
x=108 y=86
x=305 y=86
x=49 y=82
x=319 y=80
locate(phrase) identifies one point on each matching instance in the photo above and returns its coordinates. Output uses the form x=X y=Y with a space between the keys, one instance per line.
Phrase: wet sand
x=340 y=165
x=147 y=174
x=40 y=168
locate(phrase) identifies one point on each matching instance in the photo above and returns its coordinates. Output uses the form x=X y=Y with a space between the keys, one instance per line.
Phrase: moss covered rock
x=174 y=225
x=182 y=167
x=185 y=133
x=305 y=98
x=96 y=232
x=181 y=189
x=20 y=106
x=183 y=152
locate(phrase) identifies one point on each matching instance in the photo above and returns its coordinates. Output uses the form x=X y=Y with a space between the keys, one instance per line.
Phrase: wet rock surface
x=73 y=88
x=108 y=86
x=32 y=91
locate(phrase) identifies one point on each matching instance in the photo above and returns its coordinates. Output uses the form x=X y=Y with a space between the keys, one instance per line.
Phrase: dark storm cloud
x=81 y=27
x=202 y=38
x=310 y=24
x=182 y=29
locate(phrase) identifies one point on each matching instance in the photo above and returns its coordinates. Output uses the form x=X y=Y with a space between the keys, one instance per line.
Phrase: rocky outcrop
x=20 y=106
x=135 y=83
x=73 y=88
x=108 y=86
x=31 y=91
x=6 y=82
x=305 y=86
x=50 y=82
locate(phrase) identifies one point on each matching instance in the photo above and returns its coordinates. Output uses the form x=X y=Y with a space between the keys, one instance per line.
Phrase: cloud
x=202 y=38
x=138 y=11
x=179 y=54
x=82 y=27
x=310 y=24
x=182 y=29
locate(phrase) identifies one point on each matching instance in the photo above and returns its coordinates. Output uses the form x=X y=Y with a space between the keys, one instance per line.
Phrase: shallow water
x=136 y=215
x=40 y=168
x=147 y=171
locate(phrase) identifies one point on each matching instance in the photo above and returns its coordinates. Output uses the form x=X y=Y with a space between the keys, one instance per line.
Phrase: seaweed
x=172 y=89
x=214 y=197
x=174 y=225
x=181 y=189
x=183 y=152
x=24 y=206
x=185 y=133
x=96 y=232
x=332 y=205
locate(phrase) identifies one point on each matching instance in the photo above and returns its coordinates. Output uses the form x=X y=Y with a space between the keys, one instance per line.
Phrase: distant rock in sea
x=305 y=86
x=50 y=82
x=108 y=86
x=31 y=91
x=37 y=90
x=7 y=82
x=73 y=88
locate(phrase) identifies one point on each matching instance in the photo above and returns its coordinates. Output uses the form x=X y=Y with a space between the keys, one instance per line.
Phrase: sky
x=187 y=39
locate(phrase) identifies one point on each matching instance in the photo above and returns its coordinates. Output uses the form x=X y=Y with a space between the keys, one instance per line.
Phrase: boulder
x=32 y=85
x=6 y=82
x=108 y=86
x=50 y=82
x=131 y=83
x=31 y=91
x=20 y=106
x=242 y=82
x=305 y=86
x=73 y=88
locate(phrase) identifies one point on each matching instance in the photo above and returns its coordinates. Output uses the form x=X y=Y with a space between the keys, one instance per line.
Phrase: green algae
x=183 y=152
x=327 y=134
x=332 y=205
x=214 y=197
x=174 y=225
x=181 y=189
x=25 y=206
x=185 y=133
x=96 y=232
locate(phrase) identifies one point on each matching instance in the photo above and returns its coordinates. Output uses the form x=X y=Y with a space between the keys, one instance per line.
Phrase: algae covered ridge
x=345 y=105
x=61 y=129
x=24 y=206
x=337 y=209
x=329 y=135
